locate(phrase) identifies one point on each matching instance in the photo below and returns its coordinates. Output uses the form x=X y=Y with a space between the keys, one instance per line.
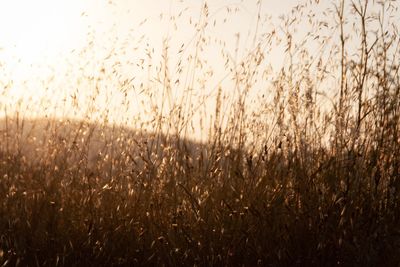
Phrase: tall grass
x=298 y=167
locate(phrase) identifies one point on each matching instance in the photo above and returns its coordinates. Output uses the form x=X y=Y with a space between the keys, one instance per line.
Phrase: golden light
x=35 y=39
x=36 y=31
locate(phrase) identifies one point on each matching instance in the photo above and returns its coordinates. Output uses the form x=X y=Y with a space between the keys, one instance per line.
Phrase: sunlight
x=199 y=132
x=36 y=31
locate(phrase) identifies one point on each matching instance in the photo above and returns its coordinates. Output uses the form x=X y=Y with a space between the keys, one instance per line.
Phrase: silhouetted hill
x=91 y=145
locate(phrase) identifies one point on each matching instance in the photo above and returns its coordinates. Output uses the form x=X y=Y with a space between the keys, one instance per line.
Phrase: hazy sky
x=45 y=45
x=40 y=31
x=41 y=38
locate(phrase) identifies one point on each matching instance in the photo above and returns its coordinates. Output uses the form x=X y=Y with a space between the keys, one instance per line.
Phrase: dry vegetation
x=307 y=177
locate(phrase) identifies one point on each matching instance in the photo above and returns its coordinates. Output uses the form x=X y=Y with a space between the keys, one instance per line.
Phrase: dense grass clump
x=302 y=170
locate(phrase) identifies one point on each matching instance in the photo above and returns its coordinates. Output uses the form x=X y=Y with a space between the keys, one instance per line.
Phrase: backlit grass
x=295 y=167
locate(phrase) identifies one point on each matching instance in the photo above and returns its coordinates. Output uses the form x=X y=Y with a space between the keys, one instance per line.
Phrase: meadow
x=294 y=167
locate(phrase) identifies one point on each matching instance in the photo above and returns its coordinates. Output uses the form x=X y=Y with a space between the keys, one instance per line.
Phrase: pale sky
x=42 y=30
x=46 y=46
x=38 y=38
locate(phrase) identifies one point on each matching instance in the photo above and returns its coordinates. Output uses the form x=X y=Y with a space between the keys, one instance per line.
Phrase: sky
x=37 y=32
x=51 y=50
x=41 y=39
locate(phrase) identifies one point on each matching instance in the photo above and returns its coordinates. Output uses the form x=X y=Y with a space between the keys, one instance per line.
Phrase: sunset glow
x=199 y=133
x=39 y=31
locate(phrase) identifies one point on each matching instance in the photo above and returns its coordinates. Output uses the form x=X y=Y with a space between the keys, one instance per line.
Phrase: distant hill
x=51 y=141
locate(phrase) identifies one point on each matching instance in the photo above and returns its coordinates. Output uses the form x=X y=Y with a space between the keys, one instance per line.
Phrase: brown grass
x=305 y=174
